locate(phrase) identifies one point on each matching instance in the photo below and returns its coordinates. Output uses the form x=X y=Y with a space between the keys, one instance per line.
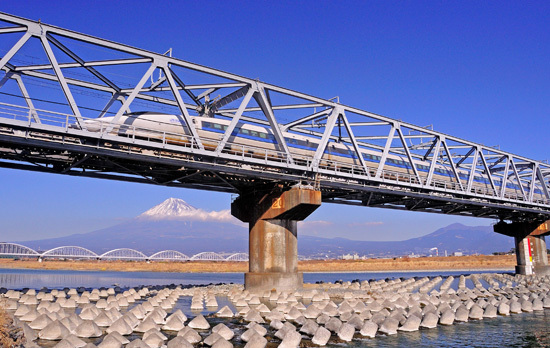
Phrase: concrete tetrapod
x=321 y=336
x=276 y=324
x=447 y=317
x=178 y=342
x=54 y=331
x=223 y=331
x=503 y=308
x=137 y=343
x=262 y=331
x=88 y=329
x=333 y=324
x=221 y=343
x=154 y=340
x=110 y=342
x=291 y=339
x=476 y=312
x=369 y=329
x=429 y=321
x=248 y=334
x=490 y=311
x=40 y=322
x=309 y=328
x=515 y=307
x=411 y=324
x=280 y=334
x=120 y=326
x=74 y=341
x=115 y=335
x=225 y=312
x=537 y=305
x=526 y=306
x=190 y=335
x=199 y=322
x=146 y=325
x=389 y=326
x=173 y=323
x=256 y=341
x=155 y=332
x=356 y=321
x=346 y=332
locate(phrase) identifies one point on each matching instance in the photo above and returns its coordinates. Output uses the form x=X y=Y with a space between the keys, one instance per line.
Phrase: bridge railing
x=36 y=116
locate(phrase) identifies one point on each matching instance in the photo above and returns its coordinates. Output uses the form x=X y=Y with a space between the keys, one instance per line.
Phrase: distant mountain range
x=176 y=225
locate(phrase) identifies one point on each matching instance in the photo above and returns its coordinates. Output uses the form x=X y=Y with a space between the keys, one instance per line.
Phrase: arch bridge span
x=76 y=252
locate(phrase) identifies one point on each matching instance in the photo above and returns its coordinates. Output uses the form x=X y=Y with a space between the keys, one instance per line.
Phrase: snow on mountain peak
x=172 y=207
x=178 y=209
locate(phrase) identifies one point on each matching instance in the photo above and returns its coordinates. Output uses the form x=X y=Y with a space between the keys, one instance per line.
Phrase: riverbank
x=479 y=262
x=10 y=335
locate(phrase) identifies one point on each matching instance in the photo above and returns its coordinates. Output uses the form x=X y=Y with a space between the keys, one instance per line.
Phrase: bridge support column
x=531 y=250
x=540 y=255
x=273 y=235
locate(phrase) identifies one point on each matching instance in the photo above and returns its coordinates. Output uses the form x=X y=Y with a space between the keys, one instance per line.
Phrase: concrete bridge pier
x=531 y=249
x=273 y=235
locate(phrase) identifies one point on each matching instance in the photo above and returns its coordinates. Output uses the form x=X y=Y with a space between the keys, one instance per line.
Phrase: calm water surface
x=519 y=330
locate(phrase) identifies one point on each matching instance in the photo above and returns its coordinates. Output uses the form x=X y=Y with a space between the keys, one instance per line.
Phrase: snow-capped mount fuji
x=178 y=209
x=172 y=207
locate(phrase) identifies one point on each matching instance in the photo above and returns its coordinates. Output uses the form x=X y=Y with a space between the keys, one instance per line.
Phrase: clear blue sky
x=478 y=70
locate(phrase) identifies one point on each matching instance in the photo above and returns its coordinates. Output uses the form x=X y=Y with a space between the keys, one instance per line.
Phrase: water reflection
x=23 y=278
x=28 y=278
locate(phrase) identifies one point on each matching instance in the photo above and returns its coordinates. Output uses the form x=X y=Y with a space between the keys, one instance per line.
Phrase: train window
x=263 y=135
x=206 y=125
x=245 y=131
x=254 y=133
x=217 y=126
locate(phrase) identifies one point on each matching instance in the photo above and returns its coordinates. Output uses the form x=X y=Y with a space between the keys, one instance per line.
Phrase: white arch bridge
x=77 y=252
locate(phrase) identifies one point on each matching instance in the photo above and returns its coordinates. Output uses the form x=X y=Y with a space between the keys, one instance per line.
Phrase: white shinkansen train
x=172 y=129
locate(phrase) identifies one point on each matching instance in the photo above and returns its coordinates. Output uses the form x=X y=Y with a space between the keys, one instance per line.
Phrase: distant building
x=458 y=253
x=353 y=257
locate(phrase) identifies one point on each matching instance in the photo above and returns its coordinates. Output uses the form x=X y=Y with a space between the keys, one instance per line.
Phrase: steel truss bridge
x=77 y=252
x=56 y=79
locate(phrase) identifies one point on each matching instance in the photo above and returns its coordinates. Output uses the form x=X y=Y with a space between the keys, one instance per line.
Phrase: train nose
x=92 y=125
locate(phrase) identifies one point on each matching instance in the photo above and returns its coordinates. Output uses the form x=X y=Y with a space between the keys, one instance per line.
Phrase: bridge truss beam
x=71 y=77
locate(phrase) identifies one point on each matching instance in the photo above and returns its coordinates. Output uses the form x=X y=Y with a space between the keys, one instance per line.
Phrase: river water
x=518 y=330
x=59 y=279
